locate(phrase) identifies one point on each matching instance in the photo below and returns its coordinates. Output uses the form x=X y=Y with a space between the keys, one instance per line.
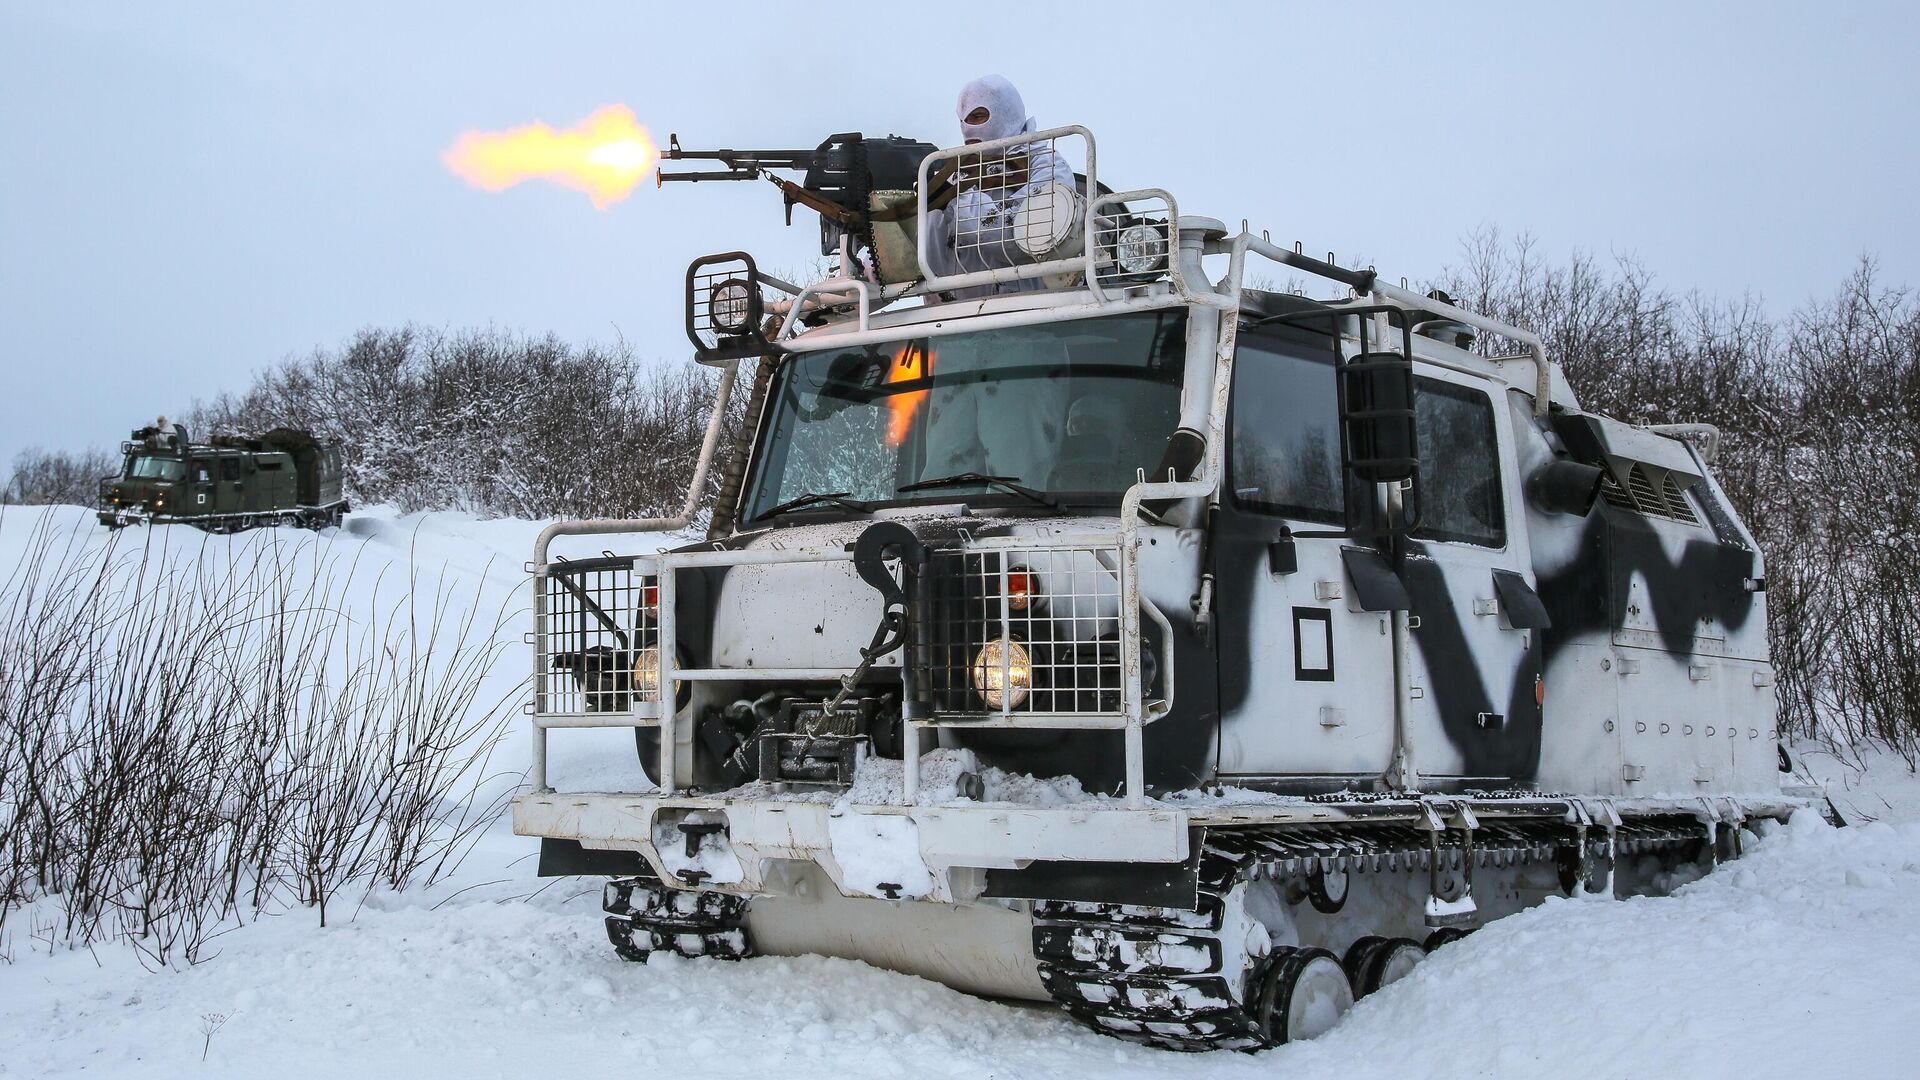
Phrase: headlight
x=730 y=306
x=1141 y=249
x=1002 y=673
x=646 y=674
x=1045 y=220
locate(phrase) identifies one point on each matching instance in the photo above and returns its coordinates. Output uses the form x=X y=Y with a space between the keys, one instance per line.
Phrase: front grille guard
x=598 y=624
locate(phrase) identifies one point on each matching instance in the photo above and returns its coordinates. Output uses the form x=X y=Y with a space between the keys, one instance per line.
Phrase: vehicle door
x=1306 y=675
x=1475 y=664
x=202 y=488
x=272 y=482
x=233 y=485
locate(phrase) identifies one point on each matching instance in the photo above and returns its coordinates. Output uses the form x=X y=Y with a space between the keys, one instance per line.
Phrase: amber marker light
x=1021 y=589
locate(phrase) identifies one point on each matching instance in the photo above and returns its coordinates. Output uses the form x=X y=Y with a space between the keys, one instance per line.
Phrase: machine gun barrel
x=740 y=164
x=839 y=176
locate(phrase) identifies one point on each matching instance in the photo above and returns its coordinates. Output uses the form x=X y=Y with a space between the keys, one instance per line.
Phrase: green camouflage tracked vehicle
x=285 y=477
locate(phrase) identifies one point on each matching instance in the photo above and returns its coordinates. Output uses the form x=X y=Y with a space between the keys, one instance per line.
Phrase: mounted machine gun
x=851 y=180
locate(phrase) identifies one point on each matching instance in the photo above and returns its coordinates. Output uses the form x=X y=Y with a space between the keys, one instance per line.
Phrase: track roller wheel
x=1327 y=890
x=1446 y=935
x=1358 y=956
x=1374 y=962
x=1303 y=992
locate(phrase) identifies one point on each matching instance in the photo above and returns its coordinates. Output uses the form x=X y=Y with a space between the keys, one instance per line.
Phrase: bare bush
x=45 y=477
x=489 y=422
x=188 y=742
x=1818 y=451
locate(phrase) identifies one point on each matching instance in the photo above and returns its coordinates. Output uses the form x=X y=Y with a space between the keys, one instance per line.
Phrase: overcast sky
x=189 y=194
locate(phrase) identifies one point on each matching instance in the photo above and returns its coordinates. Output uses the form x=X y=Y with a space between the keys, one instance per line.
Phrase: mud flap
x=1173 y=885
x=565 y=858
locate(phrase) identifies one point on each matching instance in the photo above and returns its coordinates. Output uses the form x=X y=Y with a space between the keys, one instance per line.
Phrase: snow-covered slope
x=1798 y=961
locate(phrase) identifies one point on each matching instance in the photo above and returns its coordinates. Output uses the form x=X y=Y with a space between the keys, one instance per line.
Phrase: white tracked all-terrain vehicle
x=1079 y=623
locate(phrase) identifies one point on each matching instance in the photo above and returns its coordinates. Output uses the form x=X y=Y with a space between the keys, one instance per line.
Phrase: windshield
x=156 y=468
x=1069 y=408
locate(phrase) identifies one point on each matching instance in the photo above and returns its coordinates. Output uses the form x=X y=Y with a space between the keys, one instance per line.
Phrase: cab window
x=156 y=468
x=1460 y=497
x=201 y=473
x=1284 y=449
x=229 y=468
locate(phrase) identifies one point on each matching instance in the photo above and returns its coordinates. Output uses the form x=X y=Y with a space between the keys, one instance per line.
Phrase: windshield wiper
x=837 y=498
x=1004 y=483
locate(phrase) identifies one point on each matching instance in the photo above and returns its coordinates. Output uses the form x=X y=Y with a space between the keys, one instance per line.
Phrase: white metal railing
x=1008 y=209
x=819 y=290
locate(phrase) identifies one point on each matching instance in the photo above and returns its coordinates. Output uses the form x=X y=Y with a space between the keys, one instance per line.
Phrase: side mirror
x=1377 y=409
x=1379 y=427
x=1382 y=441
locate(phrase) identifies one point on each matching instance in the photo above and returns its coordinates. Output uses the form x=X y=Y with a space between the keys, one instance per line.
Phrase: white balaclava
x=1006 y=113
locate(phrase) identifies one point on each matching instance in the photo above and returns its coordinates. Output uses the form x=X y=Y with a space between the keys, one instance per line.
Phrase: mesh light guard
x=713 y=341
x=1117 y=216
x=597 y=621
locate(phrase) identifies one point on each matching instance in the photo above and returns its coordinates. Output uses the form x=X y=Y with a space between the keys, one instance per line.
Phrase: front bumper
x=891 y=852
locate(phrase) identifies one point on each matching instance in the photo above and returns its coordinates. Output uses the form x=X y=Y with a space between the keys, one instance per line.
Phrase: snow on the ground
x=1798 y=961
x=1869 y=784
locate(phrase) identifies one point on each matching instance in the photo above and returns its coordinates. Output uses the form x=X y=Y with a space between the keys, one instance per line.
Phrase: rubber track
x=1154 y=975
x=645 y=917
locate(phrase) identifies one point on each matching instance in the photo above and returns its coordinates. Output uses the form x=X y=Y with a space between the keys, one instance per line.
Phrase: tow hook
x=696 y=832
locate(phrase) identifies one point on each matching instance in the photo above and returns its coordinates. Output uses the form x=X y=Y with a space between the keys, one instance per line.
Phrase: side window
x=229 y=468
x=201 y=473
x=1284 y=447
x=1460 y=497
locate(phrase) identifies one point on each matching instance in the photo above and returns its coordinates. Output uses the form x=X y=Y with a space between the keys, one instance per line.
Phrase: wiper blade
x=812 y=498
x=1004 y=483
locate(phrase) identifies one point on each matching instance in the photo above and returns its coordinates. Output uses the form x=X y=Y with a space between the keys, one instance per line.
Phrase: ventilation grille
x=1650 y=492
